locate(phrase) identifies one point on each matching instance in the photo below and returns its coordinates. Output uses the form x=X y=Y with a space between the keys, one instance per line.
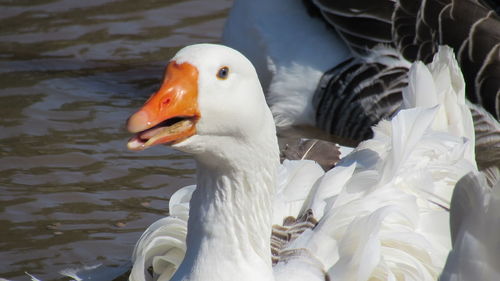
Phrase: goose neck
x=229 y=226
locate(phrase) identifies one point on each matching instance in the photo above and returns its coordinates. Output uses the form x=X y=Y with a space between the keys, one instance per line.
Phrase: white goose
x=290 y=51
x=380 y=214
x=298 y=56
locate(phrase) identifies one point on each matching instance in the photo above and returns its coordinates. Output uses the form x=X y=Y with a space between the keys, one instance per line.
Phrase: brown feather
x=325 y=153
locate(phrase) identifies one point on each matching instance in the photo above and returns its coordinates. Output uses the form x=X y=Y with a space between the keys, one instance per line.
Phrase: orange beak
x=169 y=116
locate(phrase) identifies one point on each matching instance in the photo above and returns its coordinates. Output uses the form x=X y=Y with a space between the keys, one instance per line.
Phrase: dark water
x=71 y=72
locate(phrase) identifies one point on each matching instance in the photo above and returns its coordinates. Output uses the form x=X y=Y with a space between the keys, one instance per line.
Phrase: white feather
x=294 y=180
x=163 y=244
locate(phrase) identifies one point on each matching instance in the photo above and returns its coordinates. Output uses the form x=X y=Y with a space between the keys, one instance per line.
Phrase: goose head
x=210 y=101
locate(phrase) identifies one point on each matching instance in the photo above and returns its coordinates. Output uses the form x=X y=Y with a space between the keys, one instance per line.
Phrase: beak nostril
x=167 y=101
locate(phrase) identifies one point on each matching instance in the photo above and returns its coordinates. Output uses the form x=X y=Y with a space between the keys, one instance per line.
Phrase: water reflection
x=71 y=72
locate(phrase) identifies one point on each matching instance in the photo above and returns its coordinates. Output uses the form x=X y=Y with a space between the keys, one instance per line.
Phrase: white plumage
x=381 y=212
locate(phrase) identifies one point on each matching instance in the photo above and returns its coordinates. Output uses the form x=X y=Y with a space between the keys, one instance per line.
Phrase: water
x=71 y=72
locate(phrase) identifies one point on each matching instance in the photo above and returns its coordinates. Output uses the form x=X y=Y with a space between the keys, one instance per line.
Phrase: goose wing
x=355 y=95
x=470 y=27
x=362 y=24
x=416 y=29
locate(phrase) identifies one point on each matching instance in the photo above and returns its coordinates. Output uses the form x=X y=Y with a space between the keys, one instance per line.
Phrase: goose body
x=383 y=38
x=278 y=37
x=380 y=214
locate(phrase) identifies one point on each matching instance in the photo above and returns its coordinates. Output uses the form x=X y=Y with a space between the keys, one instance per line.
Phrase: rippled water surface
x=71 y=72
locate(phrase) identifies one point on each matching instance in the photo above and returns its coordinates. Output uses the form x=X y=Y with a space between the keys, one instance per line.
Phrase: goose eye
x=223 y=73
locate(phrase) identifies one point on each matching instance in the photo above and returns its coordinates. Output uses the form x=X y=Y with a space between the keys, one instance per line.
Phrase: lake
x=71 y=72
